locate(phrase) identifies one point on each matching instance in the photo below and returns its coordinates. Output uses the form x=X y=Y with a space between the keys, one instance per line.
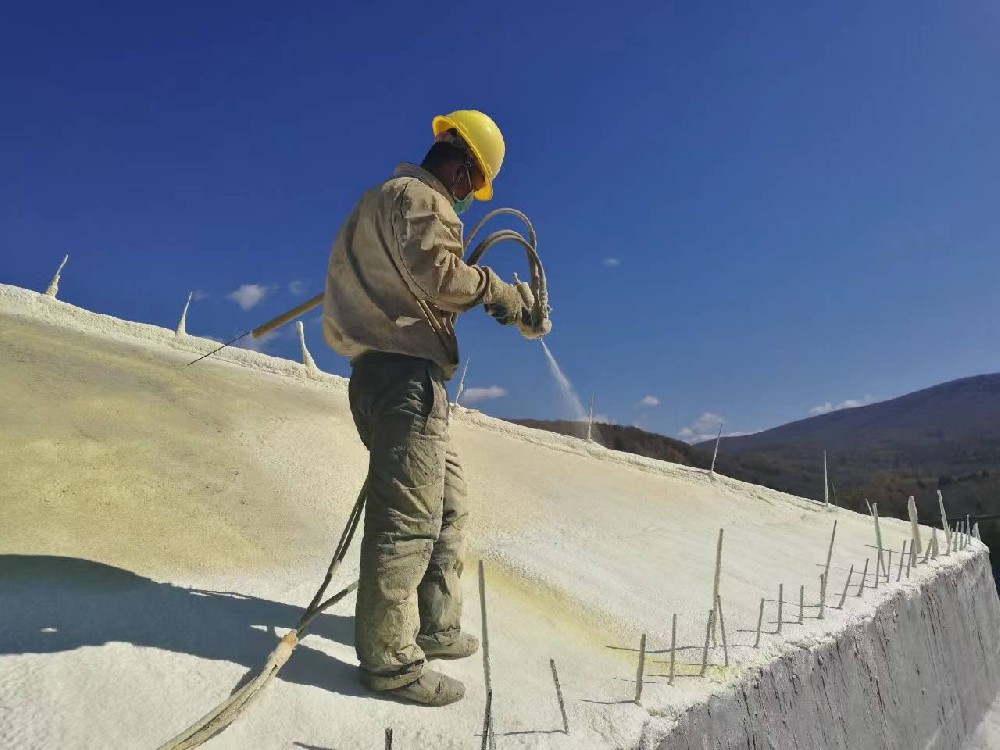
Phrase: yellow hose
x=288 y=316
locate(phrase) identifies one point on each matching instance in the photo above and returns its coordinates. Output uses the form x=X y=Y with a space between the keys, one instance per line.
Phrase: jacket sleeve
x=430 y=252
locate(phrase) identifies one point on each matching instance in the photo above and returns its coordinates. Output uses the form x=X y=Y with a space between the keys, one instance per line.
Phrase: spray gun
x=535 y=322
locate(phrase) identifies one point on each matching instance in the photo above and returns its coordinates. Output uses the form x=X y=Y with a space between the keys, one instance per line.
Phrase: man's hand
x=532 y=332
x=504 y=302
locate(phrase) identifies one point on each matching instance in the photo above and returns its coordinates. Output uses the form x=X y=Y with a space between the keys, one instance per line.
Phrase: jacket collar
x=412 y=170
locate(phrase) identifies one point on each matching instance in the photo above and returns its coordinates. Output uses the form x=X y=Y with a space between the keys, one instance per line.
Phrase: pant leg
x=400 y=406
x=440 y=591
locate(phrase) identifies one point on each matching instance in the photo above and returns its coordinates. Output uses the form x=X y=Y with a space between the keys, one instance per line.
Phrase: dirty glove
x=532 y=332
x=503 y=302
x=529 y=327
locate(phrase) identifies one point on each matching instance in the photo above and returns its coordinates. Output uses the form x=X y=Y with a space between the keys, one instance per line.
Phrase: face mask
x=462 y=205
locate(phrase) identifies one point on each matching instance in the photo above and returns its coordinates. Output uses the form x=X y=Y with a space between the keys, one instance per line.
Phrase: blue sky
x=748 y=210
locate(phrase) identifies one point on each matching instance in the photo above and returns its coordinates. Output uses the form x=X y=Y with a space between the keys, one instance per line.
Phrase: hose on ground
x=223 y=715
x=220 y=717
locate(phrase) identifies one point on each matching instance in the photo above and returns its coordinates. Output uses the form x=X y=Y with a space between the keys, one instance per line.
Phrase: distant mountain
x=629 y=439
x=945 y=437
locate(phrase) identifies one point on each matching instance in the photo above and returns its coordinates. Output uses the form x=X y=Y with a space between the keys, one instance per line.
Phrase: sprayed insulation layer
x=217 y=491
x=920 y=673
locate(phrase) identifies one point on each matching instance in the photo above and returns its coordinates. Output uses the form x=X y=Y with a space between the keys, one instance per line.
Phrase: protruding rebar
x=822 y=594
x=909 y=560
x=461 y=382
x=826 y=483
x=559 y=696
x=307 y=359
x=488 y=731
x=722 y=632
x=880 y=568
x=486 y=634
x=889 y=565
x=487 y=721
x=847 y=583
x=639 y=671
x=944 y=523
x=802 y=604
x=864 y=575
x=388 y=738
x=715 y=454
x=715 y=579
x=760 y=624
x=673 y=647
x=53 y=289
x=781 y=601
x=182 y=324
x=708 y=638
x=826 y=568
x=902 y=554
x=934 y=544
x=911 y=509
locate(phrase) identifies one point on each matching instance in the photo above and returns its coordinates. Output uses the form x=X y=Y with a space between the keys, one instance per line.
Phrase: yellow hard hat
x=484 y=139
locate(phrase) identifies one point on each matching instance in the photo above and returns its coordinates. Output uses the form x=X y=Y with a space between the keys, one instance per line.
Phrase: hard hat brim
x=439 y=125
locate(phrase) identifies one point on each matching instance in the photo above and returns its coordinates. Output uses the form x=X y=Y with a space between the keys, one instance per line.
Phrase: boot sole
x=449 y=657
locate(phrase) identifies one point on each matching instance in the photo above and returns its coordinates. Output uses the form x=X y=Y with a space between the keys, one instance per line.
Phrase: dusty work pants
x=413 y=541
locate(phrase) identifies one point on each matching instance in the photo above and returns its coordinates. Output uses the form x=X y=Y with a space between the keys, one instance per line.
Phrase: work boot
x=456 y=647
x=431 y=689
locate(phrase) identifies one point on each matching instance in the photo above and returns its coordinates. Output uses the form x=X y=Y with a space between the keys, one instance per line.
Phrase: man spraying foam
x=395 y=282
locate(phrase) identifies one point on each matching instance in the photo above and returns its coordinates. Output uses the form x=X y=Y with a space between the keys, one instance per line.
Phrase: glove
x=503 y=302
x=530 y=328
x=531 y=332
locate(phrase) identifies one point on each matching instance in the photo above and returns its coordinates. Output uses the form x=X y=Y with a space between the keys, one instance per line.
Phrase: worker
x=395 y=282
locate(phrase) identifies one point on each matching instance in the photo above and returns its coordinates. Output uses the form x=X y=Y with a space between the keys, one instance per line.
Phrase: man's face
x=468 y=178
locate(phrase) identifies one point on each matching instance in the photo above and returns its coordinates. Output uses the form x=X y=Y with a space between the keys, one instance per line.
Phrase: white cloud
x=649 y=401
x=708 y=422
x=197 y=295
x=248 y=295
x=706 y=428
x=297 y=287
x=611 y=262
x=851 y=403
x=472 y=395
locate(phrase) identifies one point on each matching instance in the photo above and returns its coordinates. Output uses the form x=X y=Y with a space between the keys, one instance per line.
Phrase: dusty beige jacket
x=396 y=276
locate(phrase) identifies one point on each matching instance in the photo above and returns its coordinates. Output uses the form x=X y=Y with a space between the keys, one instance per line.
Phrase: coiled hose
x=220 y=717
x=539 y=287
